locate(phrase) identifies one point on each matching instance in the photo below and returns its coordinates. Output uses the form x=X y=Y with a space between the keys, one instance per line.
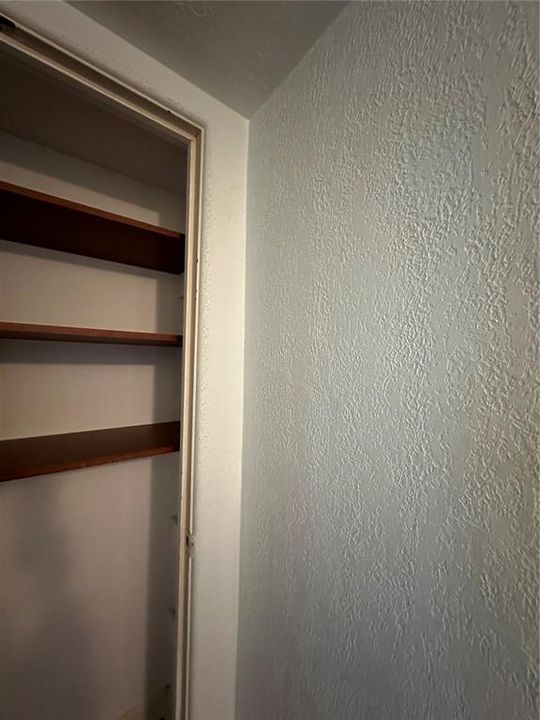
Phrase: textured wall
x=388 y=567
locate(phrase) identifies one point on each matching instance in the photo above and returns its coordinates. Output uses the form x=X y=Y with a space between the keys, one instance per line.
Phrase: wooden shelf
x=28 y=457
x=25 y=331
x=41 y=220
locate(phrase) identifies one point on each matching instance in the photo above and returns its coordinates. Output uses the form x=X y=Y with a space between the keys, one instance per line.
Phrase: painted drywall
x=219 y=402
x=388 y=546
x=87 y=590
x=239 y=52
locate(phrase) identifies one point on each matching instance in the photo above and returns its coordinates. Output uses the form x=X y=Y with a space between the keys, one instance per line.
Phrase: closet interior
x=91 y=310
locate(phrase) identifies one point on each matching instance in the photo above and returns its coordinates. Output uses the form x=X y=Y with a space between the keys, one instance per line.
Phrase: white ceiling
x=239 y=52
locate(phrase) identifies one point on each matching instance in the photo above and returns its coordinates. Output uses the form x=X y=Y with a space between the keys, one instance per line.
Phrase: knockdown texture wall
x=388 y=566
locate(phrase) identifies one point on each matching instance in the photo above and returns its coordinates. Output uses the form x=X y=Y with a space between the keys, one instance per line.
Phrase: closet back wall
x=87 y=558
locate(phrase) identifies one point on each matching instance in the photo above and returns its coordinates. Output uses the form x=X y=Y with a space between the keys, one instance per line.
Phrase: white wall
x=220 y=362
x=389 y=551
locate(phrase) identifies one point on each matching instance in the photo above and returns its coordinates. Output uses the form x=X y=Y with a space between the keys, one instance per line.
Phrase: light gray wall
x=388 y=567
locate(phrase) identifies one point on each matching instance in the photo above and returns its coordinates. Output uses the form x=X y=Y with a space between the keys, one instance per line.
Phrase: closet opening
x=100 y=196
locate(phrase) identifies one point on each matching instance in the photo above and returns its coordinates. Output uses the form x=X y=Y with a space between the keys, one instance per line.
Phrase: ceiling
x=238 y=52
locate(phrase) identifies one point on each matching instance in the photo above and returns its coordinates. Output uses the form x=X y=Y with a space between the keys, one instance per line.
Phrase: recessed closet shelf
x=28 y=457
x=61 y=333
x=41 y=220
